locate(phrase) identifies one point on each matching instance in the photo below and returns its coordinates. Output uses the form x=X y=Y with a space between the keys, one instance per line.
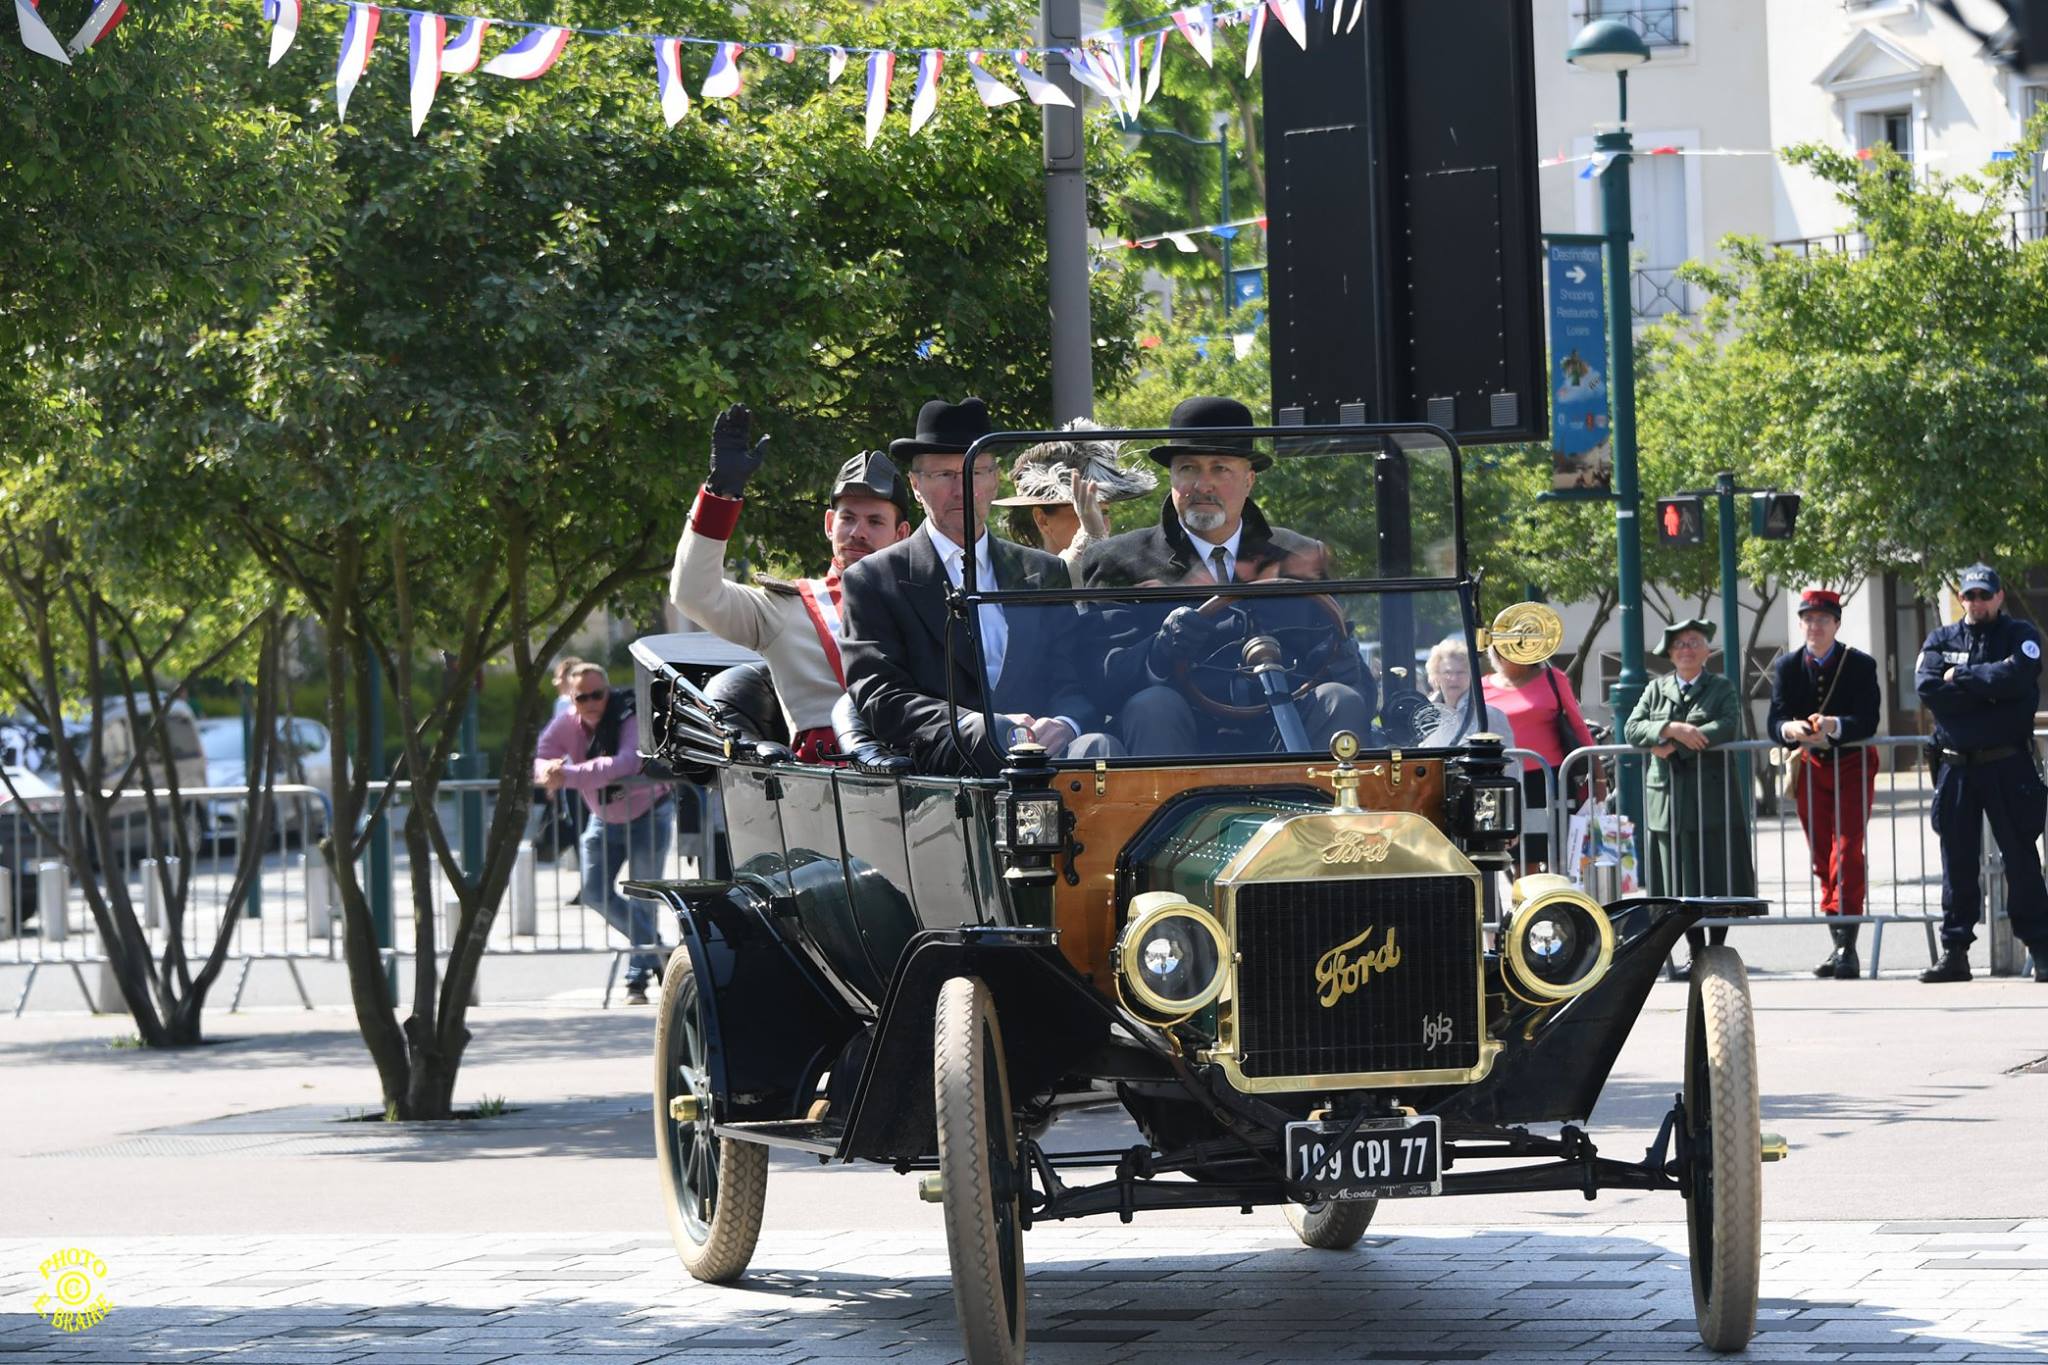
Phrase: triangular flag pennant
x=1037 y=88
x=784 y=52
x=1253 y=39
x=925 y=102
x=1198 y=25
x=1158 y=68
x=881 y=70
x=994 y=94
x=465 y=49
x=835 y=64
x=35 y=34
x=357 y=38
x=531 y=56
x=668 y=79
x=105 y=17
x=284 y=26
x=1109 y=60
x=1090 y=75
x=1288 y=12
x=723 y=81
x=1182 y=242
x=429 y=34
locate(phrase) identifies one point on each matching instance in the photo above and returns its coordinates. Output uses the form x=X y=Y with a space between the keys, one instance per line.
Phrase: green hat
x=1678 y=628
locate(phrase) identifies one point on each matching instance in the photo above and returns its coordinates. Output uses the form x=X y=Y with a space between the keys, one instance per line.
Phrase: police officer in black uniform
x=1981 y=677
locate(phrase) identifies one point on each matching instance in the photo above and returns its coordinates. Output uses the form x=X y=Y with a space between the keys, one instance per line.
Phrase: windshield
x=222 y=739
x=1254 y=595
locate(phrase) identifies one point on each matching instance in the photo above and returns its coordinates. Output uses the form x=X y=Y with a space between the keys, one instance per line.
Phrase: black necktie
x=1219 y=558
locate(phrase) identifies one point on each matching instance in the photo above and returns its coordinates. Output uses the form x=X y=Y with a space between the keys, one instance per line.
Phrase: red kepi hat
x=1820 y=599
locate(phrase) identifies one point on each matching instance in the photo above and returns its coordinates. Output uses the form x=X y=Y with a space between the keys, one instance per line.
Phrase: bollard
x=525 y=892
x=320 y=916
x=53 y=895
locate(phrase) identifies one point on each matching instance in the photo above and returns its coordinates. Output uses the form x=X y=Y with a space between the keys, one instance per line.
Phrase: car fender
x=1051 y=1020
x=772 y=1027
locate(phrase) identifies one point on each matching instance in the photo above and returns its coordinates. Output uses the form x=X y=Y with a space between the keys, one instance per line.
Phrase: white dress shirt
x=995 y=630
x=1207 y=550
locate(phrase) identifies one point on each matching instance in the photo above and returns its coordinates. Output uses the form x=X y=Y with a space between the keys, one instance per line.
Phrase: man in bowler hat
x=794 y=626
x=1981 y=677
x=900 y=638
x=1825 y=696
x=1209 y=531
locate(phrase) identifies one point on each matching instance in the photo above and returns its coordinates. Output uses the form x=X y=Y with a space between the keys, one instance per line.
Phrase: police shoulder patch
x=2031 y=648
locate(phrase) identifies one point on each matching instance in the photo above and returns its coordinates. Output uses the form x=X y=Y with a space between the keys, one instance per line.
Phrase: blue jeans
x=640 y=846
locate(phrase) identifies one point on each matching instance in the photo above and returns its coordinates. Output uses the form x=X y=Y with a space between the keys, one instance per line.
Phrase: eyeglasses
x=593 y=696
x=1683 y=643
x=1976 y=595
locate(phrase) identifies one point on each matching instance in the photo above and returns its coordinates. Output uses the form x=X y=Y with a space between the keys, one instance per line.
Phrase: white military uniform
x=794 y=626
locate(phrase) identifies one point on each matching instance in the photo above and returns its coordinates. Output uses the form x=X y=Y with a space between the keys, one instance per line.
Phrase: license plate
x=1399 y=1158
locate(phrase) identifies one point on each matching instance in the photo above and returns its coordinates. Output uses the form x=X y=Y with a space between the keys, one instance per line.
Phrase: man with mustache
x=794 y=626
x=1209 y=531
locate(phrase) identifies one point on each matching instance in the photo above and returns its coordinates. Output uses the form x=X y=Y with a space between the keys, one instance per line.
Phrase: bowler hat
x=1195 y=415
x=1820 y=599
x=1678 y=628
x=871 y=473
x=1979 y=577
x=943 y=429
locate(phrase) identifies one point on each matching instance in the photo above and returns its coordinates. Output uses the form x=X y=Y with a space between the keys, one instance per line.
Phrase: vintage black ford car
x=1295 y=958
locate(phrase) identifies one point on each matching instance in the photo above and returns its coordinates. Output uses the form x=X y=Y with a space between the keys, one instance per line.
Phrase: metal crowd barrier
x=1901 y=855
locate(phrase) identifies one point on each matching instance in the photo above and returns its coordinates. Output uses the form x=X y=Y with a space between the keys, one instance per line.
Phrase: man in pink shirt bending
x=592 y=749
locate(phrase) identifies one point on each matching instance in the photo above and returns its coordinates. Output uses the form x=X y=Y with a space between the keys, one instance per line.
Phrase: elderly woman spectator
x=1698 y=825
x=1543 y=715
x=1449 y=670
x=1062 y=489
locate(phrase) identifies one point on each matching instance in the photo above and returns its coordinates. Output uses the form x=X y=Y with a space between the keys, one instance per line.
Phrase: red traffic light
x=1681 y=521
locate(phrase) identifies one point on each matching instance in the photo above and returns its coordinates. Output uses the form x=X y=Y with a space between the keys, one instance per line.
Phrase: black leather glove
x=1188 y=636
x=732 y=463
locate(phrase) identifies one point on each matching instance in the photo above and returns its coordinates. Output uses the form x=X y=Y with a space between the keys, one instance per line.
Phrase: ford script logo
x=1338 y=973
x=1357 y=846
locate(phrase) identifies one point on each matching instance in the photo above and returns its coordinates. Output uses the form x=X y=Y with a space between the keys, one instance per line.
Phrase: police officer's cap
x=873 y=474
x=1980 y=577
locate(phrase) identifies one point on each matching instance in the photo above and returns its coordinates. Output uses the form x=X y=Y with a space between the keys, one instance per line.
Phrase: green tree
x=481 y=411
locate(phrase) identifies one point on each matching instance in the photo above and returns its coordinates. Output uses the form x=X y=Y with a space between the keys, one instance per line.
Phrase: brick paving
x=1957 y=1290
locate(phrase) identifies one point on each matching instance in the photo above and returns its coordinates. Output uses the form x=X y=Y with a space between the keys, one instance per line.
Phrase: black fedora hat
x=943 y=429
x=873 y=474
x=1207 y=414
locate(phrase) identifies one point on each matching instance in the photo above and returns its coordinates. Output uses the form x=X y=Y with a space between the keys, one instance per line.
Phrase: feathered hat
x=1043 y=474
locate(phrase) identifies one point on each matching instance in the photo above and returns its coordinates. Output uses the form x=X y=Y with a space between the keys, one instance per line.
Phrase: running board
x=819 y=1137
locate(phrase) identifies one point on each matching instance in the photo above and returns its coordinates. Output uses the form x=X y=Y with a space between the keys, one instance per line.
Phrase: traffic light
x=1771 y=515
x=1681 y=521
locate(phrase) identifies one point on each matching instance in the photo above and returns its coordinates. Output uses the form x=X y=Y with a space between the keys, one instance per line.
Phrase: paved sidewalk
x=1964 y=1291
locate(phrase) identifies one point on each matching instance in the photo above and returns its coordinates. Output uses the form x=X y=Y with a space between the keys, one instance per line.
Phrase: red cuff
x=715 y=516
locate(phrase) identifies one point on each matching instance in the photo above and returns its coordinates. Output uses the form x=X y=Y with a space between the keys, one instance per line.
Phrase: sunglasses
x=1976 y=595
x=593 y=696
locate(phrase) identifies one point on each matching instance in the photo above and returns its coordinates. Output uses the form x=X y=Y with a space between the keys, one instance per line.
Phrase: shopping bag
x=1597 y=829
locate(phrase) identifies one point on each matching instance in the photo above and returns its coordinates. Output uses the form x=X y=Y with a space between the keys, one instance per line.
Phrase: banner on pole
x=1582 y=453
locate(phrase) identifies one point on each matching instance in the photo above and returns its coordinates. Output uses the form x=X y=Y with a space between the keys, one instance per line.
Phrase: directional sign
x=1582 y=457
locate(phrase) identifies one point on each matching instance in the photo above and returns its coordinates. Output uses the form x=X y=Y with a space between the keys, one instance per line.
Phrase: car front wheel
x=1333 y=1225
x=1724 y=1170
x=981 y=1179
x=713 y=1188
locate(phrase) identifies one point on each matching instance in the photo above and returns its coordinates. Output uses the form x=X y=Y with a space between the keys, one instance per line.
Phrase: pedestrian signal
x=1771 y=515
x=1681 y=521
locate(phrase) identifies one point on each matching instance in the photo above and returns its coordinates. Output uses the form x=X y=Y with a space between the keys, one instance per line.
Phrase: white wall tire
x=1724 y=1176
x=713 y=1189
x=982 y=1182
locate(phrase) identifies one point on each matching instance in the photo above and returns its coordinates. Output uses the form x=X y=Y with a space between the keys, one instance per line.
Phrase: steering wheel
x=1330 y=632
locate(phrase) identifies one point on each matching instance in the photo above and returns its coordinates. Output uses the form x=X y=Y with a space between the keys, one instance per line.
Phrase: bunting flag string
x=356 y=41
x=429 y=33
x=992 y=92
x=284 y=26
x=835 y=63
x=530 y=57
x=724 y=80
x=668 y=80
x=1037 y=88
x=1198 y=26
x=1183 y=238
x=465 y=49
x=881 y=70
x=925 y=101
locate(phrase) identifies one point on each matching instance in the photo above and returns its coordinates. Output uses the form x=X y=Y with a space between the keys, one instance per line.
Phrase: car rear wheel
x=981 y=1181
x=1334 y=1225
x=1724 y=1171
x=713 y=1188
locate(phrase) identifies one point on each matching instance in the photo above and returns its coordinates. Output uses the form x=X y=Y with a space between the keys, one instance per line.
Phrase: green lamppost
x=1611 y=45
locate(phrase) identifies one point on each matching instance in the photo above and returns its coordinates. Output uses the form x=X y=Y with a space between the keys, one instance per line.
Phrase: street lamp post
x=1612 y=46
x=1221 y=142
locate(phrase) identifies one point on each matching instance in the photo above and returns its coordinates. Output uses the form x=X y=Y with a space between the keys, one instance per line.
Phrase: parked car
x=308 y=760
x=1295 y=960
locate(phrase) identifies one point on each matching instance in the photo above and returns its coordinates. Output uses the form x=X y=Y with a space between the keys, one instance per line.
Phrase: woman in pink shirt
x=1543 y=711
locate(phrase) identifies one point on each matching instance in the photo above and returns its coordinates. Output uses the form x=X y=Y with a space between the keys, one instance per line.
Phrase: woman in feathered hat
x=1062 y=488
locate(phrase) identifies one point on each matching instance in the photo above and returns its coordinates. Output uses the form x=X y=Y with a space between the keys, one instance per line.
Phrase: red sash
x=820 y=597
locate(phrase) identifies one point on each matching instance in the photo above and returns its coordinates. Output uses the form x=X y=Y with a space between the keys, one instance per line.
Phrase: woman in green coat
x=1698 y=818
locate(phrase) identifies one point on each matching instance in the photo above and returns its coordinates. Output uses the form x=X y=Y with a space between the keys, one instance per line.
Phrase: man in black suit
x=897 y=634
x=1823 y=696
x=1209 y=531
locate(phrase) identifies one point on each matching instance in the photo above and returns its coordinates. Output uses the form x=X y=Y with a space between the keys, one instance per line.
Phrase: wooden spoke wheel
x=1334 y=1224
x=1723 y=1171
x=981 y=1179
x=713 y=1188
